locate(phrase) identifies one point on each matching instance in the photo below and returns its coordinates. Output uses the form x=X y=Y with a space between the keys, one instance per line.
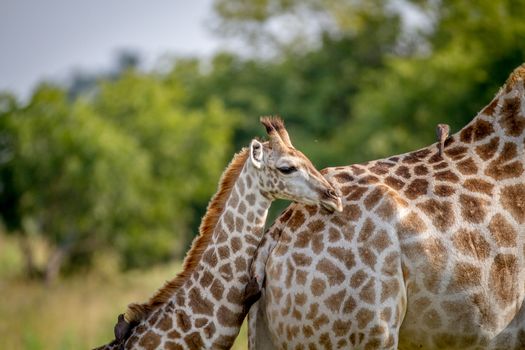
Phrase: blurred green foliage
x=128 y=161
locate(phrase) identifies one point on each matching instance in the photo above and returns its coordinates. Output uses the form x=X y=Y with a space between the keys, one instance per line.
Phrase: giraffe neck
x=210 y=304
x=238 y=231
x=229 y=256
x=207 y=307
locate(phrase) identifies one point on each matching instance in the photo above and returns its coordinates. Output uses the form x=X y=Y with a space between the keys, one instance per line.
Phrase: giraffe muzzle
x=331 y=201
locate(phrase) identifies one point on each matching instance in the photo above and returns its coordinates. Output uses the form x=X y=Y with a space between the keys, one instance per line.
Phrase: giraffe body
x=203 y=307
x=428 y=252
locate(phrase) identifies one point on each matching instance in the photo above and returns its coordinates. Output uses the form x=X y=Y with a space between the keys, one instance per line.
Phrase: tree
x=125 y=170
x=473 y=49
x=62 y=175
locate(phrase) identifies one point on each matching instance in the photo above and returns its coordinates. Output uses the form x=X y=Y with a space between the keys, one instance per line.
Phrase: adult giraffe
x=204 y=306
x=428 y=252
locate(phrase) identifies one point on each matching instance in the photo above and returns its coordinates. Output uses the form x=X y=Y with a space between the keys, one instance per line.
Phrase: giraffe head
x=286 y=173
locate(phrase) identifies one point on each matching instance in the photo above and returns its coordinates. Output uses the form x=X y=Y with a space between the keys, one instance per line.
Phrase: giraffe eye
x=287 y=169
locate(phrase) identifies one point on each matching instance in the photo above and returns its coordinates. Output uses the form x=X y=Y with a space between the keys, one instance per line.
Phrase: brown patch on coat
x=346 y=256
x=440 y=212
x=217 y=289
x=183 y=320
x=333 y=273
x=417 y=188
x=301 y=259
x=169 y=345
x=368 y=292
x=228 y=318
x=296 y=220
x=316 y=226
x=510 y=120
x=410 y=225
x=381 y=241
x=421 y=169
x=386 y=209
x=416 y=157
x=478 y=185
x=444 y=190
x=503 y=232
x=467 y=167
x=341 y=328
x=465 y=276
x=393 y=182
x=317 y=286
x=368 y=180
x=194 y=341
x=513 y=200
x=366 y=231
x=334 y=234
x=357 y=170
x=489 y=149
x=351 y=212
x=471 y=243
x=501 y=167
x=358 y=278
x=490 y=108
x=364 y=316
x=150 y=340
x=335 y=301
x=165 y=323
x=447 y=176
x=403 y=171
x=367 y=256
x=456 y=153
x=472 y=208
x=354 y=192
x=375 y=196
x=343 y=177
x=479 y=130
x=440 y=166
x=320 y=321
x=379 y=168
x=389 y=289
x=504 y=279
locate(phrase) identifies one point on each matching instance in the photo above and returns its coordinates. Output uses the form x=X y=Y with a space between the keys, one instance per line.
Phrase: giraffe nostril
x=331 y=193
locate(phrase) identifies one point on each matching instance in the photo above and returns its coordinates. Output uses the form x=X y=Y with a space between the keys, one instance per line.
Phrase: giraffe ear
x=256 y=153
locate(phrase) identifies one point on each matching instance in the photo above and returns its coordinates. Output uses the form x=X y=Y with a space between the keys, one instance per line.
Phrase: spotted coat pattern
x=428 y=252
x=208 y=307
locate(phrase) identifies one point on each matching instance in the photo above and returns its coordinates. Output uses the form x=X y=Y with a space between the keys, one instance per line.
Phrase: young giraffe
x=204 y=306
x=428 y=253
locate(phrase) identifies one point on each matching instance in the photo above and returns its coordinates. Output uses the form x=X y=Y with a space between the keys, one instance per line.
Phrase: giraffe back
x=428 y=251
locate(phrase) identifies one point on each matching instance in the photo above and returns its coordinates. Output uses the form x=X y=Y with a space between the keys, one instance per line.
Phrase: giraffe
x=204 y=306
x=428 y=252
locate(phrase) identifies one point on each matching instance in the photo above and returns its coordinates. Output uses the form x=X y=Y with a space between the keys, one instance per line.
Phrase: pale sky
x=48 y=39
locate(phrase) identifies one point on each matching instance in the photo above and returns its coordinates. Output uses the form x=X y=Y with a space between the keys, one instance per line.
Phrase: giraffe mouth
x=333 y=204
